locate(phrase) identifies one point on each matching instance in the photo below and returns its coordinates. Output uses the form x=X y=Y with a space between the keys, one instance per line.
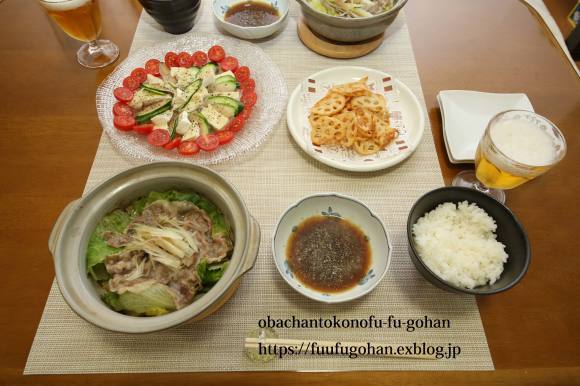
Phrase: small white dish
x=465 y=115
x=408 y=114
x=220 y=7
x=337 y=205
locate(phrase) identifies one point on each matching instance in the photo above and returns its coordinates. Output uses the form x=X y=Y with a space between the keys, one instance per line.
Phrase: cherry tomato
x=237 y=123
x=158 y=137
x=216 y=54
x=246 y=113
x=122 y=109
x=184 y=60
x=123 y=94
x=173 y=143
x=140 y=74
x=208 y=142
x=124 y=123
x=171 y=59
x=249 y=98
x=188 y=148
x=152 y=67
x=131 y=83
x=229 y=63
x=225 y=136
x=248 y=84
x=144 y=128
x=242 y=73
x=199 y=58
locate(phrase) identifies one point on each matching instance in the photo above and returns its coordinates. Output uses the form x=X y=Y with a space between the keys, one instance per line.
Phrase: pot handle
x=57 y=227
x=253 y=246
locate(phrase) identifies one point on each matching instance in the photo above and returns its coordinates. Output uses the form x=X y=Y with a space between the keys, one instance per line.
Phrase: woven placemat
x=270 y=179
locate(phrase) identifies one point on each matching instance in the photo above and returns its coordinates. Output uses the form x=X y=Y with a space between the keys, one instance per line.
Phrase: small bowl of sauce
x=251 y=19
x=252 y=14
x=331 y=248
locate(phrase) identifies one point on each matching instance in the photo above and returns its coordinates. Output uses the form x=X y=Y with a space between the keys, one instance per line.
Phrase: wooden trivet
x=333 y=49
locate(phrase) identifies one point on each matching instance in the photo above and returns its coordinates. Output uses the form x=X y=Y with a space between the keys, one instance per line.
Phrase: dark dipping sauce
x=251 y=14
x=328 y=253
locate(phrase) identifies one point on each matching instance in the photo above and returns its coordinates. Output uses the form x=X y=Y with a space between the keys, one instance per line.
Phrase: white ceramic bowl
x=334 y=204
x=220 y=8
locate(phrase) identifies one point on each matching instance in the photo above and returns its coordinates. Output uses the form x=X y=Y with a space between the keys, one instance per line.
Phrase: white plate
x=412 y=119
x=334 y=205
x=270 y=87
x=465 y=115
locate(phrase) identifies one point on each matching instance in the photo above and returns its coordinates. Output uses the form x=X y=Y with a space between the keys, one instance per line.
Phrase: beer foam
x=523 y=142
x=63 y=5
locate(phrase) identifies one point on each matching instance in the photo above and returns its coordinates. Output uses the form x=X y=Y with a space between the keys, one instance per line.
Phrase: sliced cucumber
x=173 y=125
x=224 y=79
x=209 y=68
x=225 y=110
x=236 y=106
x=201 y=121
x=187 y=77
x=149 y=112
x=232 y=94
x=190 y=91
x=225 y=86
x=197 y=100
x=156 y=89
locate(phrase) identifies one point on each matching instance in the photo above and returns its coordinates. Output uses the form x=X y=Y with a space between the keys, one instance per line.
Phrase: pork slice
x=124 y=262
x=186 y=283
x=196 y=219
x=218 y=249
x=161 y=273
x=116 y=240
x=154 y=212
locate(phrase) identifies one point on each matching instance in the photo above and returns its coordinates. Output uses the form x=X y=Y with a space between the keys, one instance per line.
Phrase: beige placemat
x=270 y=179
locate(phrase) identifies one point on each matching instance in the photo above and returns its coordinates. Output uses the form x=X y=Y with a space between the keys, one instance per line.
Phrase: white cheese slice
x=214 y=118
x=197 y=99
x=187 y=77
x=192 y=133
x=144 y=98
x=178 y=72
x=153 y=80
x=179 y=98
x=162 y=120
x=183 y=123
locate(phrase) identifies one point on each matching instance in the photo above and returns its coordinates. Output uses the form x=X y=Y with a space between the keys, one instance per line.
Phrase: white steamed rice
x=458 y=243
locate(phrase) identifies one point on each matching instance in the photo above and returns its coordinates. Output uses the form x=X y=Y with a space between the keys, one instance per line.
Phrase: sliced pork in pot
x=166 y=254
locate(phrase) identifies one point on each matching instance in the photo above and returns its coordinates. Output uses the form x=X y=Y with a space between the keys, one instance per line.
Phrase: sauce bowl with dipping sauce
x=331 y=248
x=250 y=19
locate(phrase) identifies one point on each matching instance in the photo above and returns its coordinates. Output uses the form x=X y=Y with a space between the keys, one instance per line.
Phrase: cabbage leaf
x=149 y=299
x=98 y=249
x=210 y=273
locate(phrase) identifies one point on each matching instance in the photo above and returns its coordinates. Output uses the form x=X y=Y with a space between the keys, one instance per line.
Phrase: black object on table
x=573 y=43
x=175 y=16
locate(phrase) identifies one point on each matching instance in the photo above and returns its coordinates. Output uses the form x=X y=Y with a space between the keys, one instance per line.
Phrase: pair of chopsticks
x=253 y=343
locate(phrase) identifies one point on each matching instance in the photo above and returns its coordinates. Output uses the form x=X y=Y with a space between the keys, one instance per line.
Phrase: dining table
x=50 y=133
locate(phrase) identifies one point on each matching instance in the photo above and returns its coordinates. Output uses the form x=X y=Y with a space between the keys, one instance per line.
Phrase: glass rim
x=559 y=134
x=56 y=1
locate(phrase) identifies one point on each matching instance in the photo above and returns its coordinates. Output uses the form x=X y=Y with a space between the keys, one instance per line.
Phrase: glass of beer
x=517 y=146
x=81 y=20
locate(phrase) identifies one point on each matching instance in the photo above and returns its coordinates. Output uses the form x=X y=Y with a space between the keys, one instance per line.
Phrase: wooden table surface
x=50 y=134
